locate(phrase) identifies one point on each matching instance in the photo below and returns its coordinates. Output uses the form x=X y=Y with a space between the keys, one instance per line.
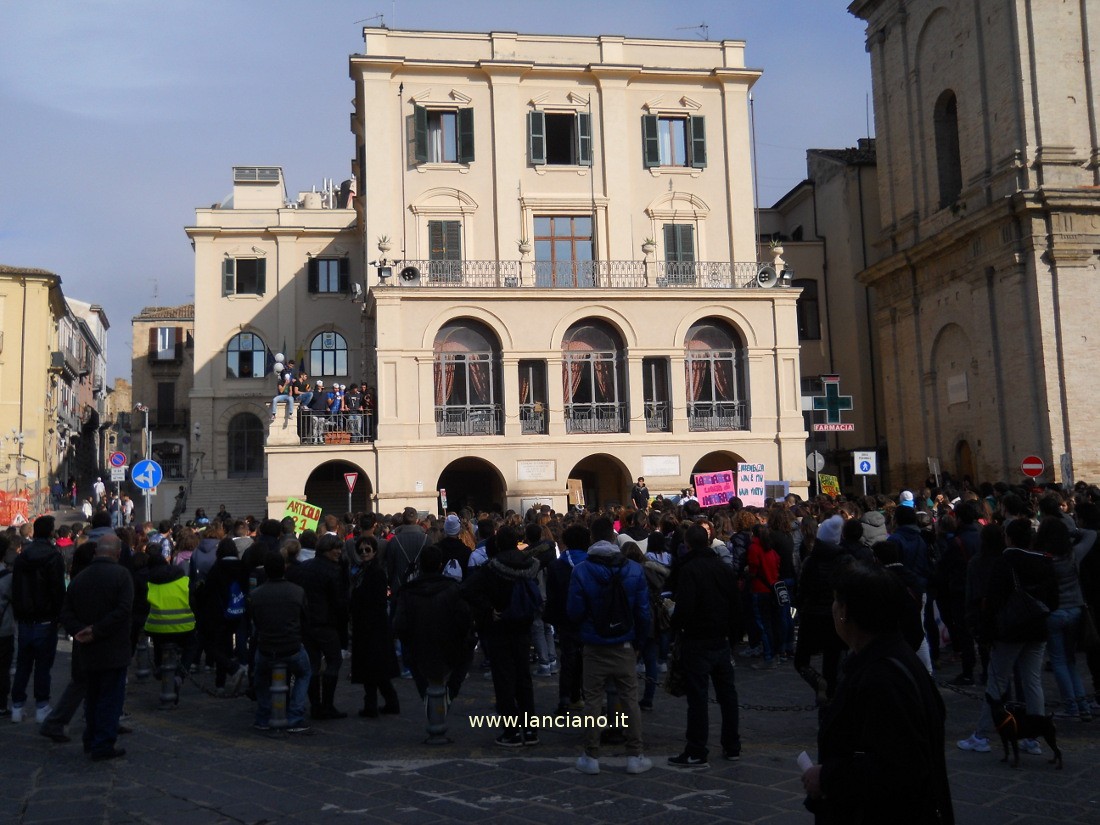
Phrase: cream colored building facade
x=989 y=167
x=560 y=261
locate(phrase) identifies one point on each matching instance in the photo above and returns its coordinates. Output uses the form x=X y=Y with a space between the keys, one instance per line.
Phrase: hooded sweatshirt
x=589 y=587
x=38 y=583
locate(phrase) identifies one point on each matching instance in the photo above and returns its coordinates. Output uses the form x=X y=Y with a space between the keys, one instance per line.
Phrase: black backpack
x=525 y=603
x=615 y=617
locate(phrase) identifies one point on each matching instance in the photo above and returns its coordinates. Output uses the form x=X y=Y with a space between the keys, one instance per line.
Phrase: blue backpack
x=234 y=605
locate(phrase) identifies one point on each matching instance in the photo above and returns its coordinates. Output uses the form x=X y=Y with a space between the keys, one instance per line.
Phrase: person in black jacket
x=37 y=592
x=706 y=623
x=814 y=599
x=880 y=742
x=97 y=613
x=325 y=581
x=373 y=658
x=576 y=539
x=279 y=614
x=223 y=607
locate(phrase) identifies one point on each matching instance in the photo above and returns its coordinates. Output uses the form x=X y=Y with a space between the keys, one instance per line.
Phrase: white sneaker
x=1031 y=746
x=973 y=743
x=235 y=680
x=17 y=713
x=41 y=713
x=638 y=764
x=588 y=764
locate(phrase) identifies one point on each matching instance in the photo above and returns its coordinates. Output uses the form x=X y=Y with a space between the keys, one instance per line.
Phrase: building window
x=534 y=403
x=948 y=162
x=559 y=139
x=246 y=356
x=328 y=355
x=594 y=379
x=329 y=275
x=714 y=377
x=443 y=135
x=674 y=141
x=246 y=446
x=679 y=243
x=468 y=387
x=655 y=394
x=563 y=251
x=807 y=310
x=166 y=404
x=167 y=343
x=244 y=276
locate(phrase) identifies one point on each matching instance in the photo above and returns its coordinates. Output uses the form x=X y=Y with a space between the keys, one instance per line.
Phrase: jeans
x=1028 y=657
x=649 y=659
x=704 y=662
x=1062 y=628
x=298 y=673
x=37 y=648
x=304 y=399
x=289 y=404
x=542 y=637
x=507 y=651
x=66 y=707
x=763 y=616
x=572 y=664
x=102 y=708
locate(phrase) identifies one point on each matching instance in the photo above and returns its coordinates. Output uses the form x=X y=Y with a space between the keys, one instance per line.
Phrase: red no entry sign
x=1032 y=466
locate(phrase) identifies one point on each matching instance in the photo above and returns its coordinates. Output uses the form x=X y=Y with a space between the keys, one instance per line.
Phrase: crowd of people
x=885 y=591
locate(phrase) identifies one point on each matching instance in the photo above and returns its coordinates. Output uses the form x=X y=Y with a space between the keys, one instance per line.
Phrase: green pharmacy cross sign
x=832 y=403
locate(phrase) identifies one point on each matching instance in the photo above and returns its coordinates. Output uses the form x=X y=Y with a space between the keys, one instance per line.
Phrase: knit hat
x=452 y=525
x=829 y=530
x=907 y=499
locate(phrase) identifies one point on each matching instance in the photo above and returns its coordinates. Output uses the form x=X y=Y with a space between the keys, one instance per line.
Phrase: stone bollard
x=436 y=706
x=143 y=664
x=169 y=670
x=280 y=691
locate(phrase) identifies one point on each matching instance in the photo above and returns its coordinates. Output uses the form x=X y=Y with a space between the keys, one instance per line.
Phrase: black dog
x=1014 y=723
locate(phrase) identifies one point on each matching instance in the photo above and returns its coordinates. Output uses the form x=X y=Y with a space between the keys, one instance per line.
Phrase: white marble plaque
x=537 y=469
x=660 y=465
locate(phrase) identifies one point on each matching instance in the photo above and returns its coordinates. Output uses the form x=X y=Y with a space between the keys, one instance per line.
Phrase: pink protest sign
x=715 y=489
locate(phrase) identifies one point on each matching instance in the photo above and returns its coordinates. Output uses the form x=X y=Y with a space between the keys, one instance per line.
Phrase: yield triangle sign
x=350 y=479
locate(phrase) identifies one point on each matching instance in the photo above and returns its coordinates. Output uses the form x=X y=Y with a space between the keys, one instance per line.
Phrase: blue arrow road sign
x=146 y=474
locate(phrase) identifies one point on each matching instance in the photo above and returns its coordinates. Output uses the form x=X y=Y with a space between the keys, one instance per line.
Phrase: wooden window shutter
x=698 y=140
x=313 y=268
x=452 y=240
x=420 y=132
x=651 y=144
x=345 y=275
x=466 y=135
x=178 y=350
x=584 y=139
x=229 y=278
x=536 y=137
x=672 y=242
x=261 y=276
x=686 y=245
x=435 y=241
x=154 y=341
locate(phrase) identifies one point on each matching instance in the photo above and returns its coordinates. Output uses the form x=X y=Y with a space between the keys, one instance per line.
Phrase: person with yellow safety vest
x=171 y=620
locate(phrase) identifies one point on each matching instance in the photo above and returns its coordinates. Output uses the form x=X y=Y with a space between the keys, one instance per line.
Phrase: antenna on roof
x=380 y=17
x=702 y=30
x=156 y=291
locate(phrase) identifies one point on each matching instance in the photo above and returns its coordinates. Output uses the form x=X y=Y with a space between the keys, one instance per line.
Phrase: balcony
x=573 y=275
x=716 y=416
x=533 y=419
x=474 y=420
x=595 y=418
x=657 y=417
x=167 y=417
x=334 y=428
x=66 y=364
x=167 y=358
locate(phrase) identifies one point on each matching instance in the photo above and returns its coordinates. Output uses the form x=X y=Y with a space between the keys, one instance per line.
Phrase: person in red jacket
x=762 y=571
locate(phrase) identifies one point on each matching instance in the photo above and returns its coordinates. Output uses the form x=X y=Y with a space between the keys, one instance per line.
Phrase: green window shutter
x=465 y=135
x=651 y=145
x=672 y=242
x=686 y=245
x=420 y=131
x=536 y=138
x=313 y=269
x=584 y=139
x=698 y=139
x=452 y=240
x=261 y=276
x=435 y=241
x=345 y=275
x=229 y=277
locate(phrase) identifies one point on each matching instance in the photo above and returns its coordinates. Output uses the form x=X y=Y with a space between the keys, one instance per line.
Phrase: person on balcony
x=284 y=389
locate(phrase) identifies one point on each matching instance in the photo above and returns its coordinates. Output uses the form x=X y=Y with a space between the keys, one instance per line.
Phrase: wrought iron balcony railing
x=656 y=417
x=473 y=420
x=595 y=418
x=533 y=419
x=713 y=416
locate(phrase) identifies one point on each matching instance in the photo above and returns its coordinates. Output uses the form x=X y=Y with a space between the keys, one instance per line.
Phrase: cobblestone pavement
x=202 y=763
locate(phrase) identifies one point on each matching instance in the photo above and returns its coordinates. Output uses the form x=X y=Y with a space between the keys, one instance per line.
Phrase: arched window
x=328 y=355
x=246 y=446
x=807 y=310
x=468 y=388
x=245 y=356
x=948 y=162
x=594 y=379
x=715 y=377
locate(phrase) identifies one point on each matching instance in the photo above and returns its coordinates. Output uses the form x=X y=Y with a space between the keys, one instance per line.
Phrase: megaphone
x=410 y=276
x=766 y=276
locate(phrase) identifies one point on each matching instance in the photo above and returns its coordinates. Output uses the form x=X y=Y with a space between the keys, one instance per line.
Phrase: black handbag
x=1022 y=616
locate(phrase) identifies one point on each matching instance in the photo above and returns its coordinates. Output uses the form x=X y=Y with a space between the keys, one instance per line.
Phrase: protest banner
x=305 y=515
x=750 y=484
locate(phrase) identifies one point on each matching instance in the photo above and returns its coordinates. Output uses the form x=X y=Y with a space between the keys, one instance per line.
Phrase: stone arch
x=443 y=200
x=727 y=313
x=671 y=205
x=473 y=482
x=600 y=311
x=604 y=478
x=326 y=488
x=482 y=315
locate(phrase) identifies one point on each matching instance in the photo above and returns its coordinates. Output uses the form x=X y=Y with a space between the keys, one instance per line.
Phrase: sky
x=118 y=118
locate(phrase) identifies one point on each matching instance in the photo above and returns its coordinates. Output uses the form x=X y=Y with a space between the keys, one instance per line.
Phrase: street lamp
x=141 y=408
